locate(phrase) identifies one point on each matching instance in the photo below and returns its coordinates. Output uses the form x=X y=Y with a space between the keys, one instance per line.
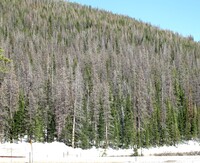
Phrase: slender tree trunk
x=73 y=128
x=106 y=135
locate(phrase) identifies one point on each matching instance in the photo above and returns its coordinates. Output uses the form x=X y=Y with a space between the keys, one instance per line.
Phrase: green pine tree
x=198 y=122
x=155 y=120
x=172 y=125
x=19 y=119
x=115 y=130
x=66 y=134
x=39 y=127
x=129 y=127
x=194 y=123
x=101 y=126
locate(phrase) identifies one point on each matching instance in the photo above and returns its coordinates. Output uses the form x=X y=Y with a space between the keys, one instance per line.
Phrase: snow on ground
x=185 y=147
x=59 y=152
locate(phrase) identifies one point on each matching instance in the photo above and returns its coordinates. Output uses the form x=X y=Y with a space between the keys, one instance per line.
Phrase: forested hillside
x=87 y=77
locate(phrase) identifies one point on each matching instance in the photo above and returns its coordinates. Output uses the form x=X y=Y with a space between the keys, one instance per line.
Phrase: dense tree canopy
x=91 y=78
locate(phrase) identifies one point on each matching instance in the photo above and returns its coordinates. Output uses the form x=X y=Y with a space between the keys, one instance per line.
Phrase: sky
x=182 y=16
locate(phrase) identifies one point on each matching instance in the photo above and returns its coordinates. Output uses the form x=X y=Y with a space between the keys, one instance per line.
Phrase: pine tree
x=172 y=125
x=19 y=118
x=198 y=122
x=39 y=128
x=147 y=139
x=155 y=126
x=189 y=117
x=77 y=112
x=9 y=103
x=66 y=134
x=129 y=126
x=101 y=126
x=115 y=136
x=84 y=137
x=99 y=80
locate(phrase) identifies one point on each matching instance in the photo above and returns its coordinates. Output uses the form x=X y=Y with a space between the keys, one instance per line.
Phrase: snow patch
x=57 y=151
x=185 y=147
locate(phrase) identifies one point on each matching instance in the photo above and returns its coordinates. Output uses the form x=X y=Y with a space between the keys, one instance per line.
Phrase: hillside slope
x=91 y=78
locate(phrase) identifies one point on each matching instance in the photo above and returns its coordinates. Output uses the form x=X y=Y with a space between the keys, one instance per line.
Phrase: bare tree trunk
x=73 y=128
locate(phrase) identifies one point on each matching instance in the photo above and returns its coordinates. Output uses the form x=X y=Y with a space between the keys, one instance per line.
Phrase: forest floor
x=60 y=153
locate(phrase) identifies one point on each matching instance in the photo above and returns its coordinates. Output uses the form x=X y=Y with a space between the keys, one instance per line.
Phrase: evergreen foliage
x=87 y=78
